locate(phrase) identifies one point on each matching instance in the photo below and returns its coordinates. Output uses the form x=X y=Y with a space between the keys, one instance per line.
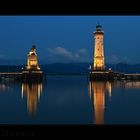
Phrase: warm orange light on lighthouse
x=99 y=49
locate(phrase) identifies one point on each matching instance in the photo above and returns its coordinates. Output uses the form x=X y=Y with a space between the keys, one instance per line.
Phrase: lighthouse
x=99 y=64
x=98 y=71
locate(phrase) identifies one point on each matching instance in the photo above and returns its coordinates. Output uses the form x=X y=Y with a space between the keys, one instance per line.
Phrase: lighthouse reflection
x=97 y=92
x=102 y=92
x=32 y=92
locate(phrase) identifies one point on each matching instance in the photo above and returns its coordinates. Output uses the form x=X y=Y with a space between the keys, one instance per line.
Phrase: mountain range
x=74 y=68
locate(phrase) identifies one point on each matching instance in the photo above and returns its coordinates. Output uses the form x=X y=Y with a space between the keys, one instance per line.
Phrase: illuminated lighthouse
x=99 y=49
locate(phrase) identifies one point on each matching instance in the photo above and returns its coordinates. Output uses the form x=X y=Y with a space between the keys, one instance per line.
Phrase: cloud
x=126 y=59
x=113 y=59
x=77 y=55
x=61 y=52
x=64 y=54
x=2 y=56
x=116 y=59
x=83 y=51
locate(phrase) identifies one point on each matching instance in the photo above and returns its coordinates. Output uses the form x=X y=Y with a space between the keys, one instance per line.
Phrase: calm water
x=69 y=100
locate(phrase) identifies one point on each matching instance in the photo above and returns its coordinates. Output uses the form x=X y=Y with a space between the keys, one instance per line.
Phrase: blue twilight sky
x=68 y=38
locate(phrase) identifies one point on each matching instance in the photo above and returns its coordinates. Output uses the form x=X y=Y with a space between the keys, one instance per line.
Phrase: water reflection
x=128 y=84
x=32 y=91
x=115 y=102
x=125 y=84
x=97 y=93
x=3 y=87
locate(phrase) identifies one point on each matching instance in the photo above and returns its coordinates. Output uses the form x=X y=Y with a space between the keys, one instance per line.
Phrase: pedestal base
x=32 y=76
x=101 y=75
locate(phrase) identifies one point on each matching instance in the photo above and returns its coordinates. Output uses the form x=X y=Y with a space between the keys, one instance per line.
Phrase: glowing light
x=90 y=89
x=32 y=61
x=22 y=91
x=33 y=92
x=99 y=101
x=99 y=49
x=109 y=88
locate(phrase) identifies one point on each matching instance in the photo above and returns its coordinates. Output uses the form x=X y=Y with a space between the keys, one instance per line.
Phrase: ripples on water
x=70 y=100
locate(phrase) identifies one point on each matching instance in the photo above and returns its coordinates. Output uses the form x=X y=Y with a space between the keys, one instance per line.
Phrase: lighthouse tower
x=99 y=64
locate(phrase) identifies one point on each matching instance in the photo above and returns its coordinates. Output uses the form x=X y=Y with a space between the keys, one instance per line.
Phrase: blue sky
x=68 y=38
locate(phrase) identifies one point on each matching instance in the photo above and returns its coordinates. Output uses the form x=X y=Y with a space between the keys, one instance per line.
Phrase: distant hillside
x=83 y=68
x=10 y=68
x=126 y=68
x=69 y=68
x=74 y=68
